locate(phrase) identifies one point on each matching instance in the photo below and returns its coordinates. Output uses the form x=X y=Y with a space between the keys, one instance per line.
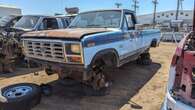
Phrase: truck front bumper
x=64 y=69
x=171 y=104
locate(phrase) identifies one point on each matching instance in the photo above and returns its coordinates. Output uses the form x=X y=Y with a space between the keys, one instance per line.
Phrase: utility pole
x=135 y=5
x=177 y=11
x=155 y=2
x=179 y=3
x=118 y=5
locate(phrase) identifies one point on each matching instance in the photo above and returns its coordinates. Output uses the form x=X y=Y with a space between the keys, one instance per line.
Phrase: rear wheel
x=154 y=43
x=144 y=59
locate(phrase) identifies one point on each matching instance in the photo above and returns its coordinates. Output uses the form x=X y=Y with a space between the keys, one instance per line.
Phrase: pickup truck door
x=135 y=38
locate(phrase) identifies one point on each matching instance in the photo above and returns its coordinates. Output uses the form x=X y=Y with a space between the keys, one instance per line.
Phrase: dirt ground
x=135 y=87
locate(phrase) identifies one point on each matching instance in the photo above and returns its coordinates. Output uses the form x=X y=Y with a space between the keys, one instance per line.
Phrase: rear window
x=65 y=22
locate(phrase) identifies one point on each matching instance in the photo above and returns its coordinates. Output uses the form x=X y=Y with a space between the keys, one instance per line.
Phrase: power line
x=135 y=5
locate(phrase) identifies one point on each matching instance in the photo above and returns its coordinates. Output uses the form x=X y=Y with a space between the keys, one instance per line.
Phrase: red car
x=181 y=86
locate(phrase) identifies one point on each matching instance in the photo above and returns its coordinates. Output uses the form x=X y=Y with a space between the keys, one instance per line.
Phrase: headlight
x=73 y=52
x=73 y=49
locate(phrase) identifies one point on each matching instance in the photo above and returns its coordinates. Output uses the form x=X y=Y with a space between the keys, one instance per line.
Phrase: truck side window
x=130 y=21
x=50 y=23
x=65 y=23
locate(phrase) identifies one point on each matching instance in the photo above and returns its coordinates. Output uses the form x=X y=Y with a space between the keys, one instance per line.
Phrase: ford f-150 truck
x=95 y=43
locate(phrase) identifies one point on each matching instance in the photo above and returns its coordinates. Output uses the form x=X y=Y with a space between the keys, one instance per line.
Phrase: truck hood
x=75 y=33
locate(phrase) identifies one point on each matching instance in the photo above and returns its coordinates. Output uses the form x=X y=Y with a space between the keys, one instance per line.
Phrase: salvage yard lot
x=135 y=87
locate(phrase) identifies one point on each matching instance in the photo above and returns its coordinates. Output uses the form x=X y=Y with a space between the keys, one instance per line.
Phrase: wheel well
x=109 y=57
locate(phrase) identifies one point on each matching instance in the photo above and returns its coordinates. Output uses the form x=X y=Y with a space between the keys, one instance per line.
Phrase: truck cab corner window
x=50 y=23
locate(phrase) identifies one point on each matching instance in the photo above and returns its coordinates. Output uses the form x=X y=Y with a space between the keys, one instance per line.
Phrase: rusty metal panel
x=76 y=33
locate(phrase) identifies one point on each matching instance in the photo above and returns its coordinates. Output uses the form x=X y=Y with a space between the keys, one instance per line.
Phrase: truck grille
x=50 y=51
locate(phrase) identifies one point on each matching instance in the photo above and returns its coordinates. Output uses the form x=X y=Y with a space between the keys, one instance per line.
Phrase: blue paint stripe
x=104 y=39
x=111 y=37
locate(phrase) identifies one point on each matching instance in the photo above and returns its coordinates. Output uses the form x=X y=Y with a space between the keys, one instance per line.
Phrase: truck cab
x=93 y=41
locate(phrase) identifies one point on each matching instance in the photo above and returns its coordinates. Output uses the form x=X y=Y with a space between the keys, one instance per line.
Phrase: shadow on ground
x=127 y=81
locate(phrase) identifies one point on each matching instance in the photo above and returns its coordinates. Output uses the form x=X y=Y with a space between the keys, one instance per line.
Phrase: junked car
x=181 y=89
x=11 y=50
x=7 y=22
x=95 y=43
x=180 y=93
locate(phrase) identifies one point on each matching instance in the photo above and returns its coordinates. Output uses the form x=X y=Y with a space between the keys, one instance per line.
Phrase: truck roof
x=45 y=16
x=125 y=10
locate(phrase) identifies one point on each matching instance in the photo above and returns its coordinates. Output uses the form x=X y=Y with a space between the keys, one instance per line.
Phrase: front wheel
x=101 y=76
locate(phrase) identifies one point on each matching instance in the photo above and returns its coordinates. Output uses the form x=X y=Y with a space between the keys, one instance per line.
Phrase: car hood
x=72 y=33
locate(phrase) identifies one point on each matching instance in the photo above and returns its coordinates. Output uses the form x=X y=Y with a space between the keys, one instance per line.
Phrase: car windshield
x=5 y=20
x=27 y=22
x=98 y=19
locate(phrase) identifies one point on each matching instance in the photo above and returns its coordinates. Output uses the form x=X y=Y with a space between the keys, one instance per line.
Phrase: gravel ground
x=135 y=87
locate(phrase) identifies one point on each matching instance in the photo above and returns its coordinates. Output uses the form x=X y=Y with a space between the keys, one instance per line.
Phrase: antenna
x=155 y=2
x=135 y=5
x=118 y=5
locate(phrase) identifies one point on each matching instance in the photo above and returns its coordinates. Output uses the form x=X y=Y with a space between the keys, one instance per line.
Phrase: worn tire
x=154 y=43
x=144 y=59
x=23 y=102
x=147 y=62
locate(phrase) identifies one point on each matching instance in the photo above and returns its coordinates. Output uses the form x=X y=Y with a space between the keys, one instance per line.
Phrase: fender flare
x=104 y=52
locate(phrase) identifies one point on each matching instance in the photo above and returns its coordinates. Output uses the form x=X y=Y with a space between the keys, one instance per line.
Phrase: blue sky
x=49 y=7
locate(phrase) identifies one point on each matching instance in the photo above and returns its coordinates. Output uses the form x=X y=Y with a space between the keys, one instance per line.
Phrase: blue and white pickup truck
x=96 y=42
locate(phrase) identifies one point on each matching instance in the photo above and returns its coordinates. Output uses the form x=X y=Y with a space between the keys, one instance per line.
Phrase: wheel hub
x=17 y=92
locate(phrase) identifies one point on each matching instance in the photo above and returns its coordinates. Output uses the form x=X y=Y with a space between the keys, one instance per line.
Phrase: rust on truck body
x=74 y=33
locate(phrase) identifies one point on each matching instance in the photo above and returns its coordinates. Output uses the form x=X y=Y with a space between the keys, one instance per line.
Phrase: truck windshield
x=5 y=20
x=27 y=22
x=97 y=19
